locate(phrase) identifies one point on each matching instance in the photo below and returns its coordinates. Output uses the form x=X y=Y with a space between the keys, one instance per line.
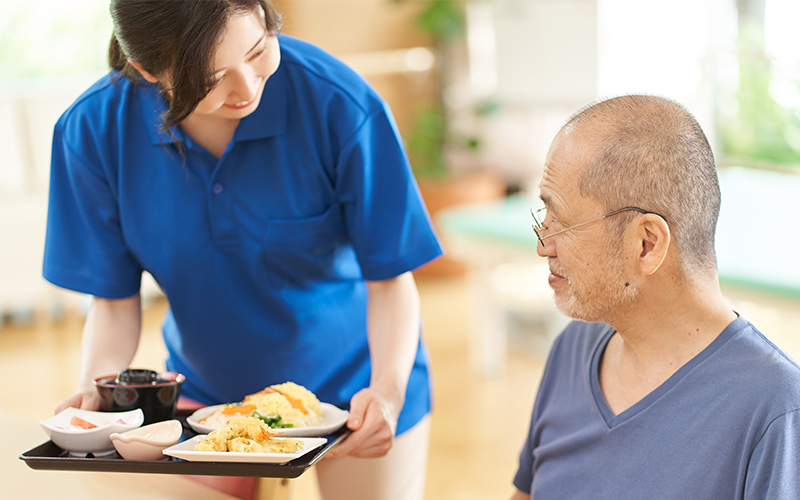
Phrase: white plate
x=333 y=419
x=185 y=450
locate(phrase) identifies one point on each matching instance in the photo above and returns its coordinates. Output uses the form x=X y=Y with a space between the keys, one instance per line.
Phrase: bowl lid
x=135 y=377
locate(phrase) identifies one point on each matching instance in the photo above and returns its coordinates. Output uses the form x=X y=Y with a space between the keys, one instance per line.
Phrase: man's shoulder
x=753 y=362
x=749 y=341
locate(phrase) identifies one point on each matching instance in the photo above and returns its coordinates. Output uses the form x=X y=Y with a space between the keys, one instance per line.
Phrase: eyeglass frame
x=538 y=226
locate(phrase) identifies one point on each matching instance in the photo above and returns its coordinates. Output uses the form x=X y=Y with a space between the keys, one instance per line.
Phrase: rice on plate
x=279 y=406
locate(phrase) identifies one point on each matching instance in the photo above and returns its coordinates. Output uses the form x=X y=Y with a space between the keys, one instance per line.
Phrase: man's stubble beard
x=601 y=295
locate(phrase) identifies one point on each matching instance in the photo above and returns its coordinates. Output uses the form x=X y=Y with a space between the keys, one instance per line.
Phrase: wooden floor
x=477 y=425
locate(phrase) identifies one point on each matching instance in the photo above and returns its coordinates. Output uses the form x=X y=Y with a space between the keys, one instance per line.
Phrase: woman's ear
x=653 y=233
x=147 y=76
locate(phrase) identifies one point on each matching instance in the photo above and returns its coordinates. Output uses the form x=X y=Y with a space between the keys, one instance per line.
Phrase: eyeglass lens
x=539 y=215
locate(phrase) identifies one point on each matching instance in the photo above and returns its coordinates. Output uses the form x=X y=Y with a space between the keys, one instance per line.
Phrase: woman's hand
x=87 y=399
x=373 y=420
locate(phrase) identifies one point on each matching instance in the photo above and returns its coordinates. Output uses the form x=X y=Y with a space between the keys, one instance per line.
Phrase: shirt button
x=217 y=188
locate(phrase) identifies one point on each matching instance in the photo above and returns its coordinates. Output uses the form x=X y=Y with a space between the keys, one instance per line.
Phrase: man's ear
x=654 y=236
x=147 y=76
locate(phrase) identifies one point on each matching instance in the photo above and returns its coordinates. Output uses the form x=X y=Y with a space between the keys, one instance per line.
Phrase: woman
x=263 y=184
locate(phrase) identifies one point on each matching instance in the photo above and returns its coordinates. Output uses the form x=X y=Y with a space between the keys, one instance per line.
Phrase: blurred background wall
x=478 y=88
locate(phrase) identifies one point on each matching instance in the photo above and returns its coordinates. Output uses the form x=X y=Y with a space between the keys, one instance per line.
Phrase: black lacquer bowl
x=155 y=393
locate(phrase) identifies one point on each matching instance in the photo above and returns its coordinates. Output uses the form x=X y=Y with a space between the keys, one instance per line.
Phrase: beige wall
x=348 y=27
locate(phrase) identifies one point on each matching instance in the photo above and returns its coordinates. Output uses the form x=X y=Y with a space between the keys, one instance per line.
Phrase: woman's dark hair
x=178 y=39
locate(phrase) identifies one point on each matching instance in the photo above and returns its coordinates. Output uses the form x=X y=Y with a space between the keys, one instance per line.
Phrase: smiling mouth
x=240 y=105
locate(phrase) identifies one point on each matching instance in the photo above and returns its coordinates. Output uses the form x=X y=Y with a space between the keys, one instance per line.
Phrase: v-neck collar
x=594 y=375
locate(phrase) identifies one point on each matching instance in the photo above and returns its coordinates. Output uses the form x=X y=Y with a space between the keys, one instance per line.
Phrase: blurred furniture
x=756 y=243
x=28 y=112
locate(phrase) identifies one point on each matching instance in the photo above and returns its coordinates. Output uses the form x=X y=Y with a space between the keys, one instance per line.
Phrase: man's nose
x=546 y=248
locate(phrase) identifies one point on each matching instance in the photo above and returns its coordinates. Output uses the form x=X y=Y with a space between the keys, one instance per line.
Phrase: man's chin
x=575 y=309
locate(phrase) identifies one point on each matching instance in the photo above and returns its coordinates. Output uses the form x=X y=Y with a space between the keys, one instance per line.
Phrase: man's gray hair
x=653 y=154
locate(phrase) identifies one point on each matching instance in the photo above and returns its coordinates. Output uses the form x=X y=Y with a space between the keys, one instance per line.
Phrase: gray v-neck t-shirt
x=726 y=425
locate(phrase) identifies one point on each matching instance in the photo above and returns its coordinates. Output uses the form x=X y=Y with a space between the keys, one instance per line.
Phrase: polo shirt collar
x=268 y=120
x=153 y=106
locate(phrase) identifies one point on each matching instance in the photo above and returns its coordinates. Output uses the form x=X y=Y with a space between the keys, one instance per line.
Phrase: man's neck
x=661 y=333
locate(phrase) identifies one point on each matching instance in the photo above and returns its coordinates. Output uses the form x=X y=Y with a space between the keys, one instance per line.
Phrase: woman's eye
x=257 y=55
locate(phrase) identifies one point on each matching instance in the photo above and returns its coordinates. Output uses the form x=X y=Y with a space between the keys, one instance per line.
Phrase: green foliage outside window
x=52 y=38
x=757 y=129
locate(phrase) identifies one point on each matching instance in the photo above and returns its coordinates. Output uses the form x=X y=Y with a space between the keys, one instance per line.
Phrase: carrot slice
x=79 y=422
x=259 y=393
x=296 y=403
x=240 y=409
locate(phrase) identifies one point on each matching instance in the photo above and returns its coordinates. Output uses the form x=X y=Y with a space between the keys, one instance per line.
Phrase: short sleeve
x=386 y=218
x=774 y=470
x=85 y=249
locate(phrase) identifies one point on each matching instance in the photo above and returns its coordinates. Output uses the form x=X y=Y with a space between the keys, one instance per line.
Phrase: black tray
x=48 y=456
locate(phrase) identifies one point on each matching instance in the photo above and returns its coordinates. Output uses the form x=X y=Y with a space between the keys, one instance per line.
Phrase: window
x=759 y=101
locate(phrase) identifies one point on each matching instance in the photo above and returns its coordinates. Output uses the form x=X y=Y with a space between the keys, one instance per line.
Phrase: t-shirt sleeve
x=386 y=218
x=85 y=248
x=774 y=470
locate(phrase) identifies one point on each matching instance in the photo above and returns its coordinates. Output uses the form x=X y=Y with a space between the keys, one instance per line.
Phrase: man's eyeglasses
x=539 y=215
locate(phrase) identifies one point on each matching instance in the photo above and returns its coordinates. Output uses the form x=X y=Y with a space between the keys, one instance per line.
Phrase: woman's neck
x=214 y=134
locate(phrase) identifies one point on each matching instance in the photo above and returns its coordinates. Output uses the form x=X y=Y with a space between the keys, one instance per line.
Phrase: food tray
x=48 y=456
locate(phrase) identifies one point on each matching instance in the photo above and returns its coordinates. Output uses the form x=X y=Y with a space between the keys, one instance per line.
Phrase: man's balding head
x=651 y=153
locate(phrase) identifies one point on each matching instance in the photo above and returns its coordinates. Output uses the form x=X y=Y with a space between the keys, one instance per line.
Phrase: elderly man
x=659 y=390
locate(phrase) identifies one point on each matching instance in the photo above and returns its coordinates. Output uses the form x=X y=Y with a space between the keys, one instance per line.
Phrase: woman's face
x=244 y=60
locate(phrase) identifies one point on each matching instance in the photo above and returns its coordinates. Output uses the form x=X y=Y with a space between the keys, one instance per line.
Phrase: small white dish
x=147 y=442
x=78 y=441
x=333 y=418
x=185 y=450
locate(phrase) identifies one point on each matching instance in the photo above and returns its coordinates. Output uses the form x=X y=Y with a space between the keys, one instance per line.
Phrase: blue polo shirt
x=263 y=253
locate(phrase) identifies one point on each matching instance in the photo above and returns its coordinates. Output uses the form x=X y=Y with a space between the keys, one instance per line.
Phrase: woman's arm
x=110 y=338
x=393 y=324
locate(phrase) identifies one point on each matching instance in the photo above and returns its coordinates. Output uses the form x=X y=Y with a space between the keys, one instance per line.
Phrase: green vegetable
x=273 y=420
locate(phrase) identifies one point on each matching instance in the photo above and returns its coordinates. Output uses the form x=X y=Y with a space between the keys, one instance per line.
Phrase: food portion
x=76 y=421
x=247 y=435
x=278 y=406
x=78 y=424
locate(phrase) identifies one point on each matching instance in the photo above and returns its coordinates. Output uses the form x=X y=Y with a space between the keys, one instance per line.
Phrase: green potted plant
x=431 y=136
